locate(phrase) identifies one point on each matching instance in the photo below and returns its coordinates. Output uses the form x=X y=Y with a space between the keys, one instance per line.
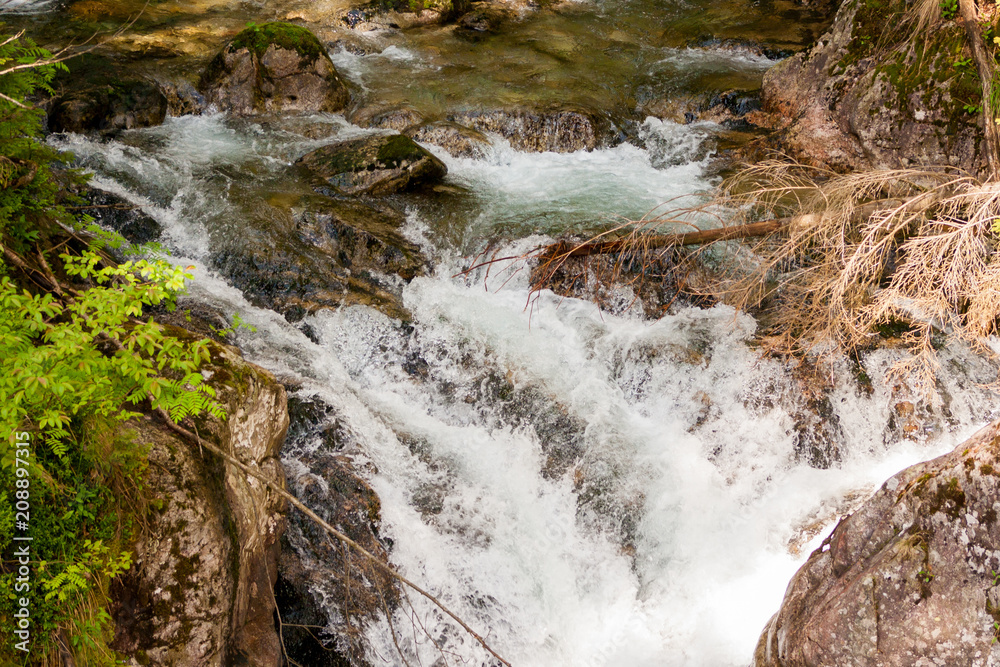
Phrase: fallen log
x=564 y=249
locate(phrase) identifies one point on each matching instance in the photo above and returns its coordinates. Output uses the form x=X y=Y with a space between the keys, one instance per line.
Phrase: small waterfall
x=585 y=487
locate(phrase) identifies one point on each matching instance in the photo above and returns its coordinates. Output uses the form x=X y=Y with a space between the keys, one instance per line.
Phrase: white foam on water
x=520 y=553
x=181 y=173
x=548 y=192
x=25 y=6
x=716 y=59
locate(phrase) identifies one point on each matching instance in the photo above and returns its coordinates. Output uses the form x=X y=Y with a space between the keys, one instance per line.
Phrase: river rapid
x=583 y=486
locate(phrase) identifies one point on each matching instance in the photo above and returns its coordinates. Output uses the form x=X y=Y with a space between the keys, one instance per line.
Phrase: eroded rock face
x=332 y=254
x=559 y=131
x=373 y=165
x=200 y=591
x=869 y=95
x=274 y=67
x=906 y=580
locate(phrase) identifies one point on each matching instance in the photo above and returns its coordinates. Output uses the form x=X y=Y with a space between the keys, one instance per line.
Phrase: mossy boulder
x=872 y=93
x=372 y=165
x=907 y=579
x=274 y=67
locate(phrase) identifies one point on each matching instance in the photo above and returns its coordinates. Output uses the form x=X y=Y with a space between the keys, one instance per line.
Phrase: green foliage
x=949 y=9
x=25 y=161
x=963 y=63
x=54 y=365
x=75 y=365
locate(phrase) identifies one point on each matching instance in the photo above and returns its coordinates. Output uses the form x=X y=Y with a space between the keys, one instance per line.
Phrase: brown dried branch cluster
x=869 y=249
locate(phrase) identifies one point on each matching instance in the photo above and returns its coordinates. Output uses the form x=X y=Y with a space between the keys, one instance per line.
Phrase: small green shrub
x=949 y=9
x=75 y=365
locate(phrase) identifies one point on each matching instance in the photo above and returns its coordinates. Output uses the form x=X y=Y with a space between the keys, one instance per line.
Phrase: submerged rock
x=274 y=67
x=334 y=253
x=199 y=593
x=908 y=579
x=373 y=165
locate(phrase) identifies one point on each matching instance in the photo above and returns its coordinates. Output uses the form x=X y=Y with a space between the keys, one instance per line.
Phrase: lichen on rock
x=908 y=579
x=876 y=91
x=200 y=592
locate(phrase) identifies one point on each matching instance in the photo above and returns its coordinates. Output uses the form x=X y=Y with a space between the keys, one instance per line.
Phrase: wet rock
x=748 y=46
x=736 y=102
x=104 y=98
x=404 y=13
x=559 y=131
x=118 y=214
x=372 y=165
x=733 y=109
x=846 y=104
x=321 y=583
x=183 y=99
x=199 y=593
x=398 y=119
x=817 y=428
x=458 y=140
x=332 y=254
x=908 y=579
x=484 y=17
x=274 y=67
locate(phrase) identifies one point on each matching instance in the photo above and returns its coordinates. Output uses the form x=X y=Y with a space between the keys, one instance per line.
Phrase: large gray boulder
x=909 y=579
x=274 y=67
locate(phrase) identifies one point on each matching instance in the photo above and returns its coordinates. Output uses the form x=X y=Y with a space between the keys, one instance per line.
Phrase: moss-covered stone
x=372 y=165
x=274 y=67
x=257 y=39
x=876 y=92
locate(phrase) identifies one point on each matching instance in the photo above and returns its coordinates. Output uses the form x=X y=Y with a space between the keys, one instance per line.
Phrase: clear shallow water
x=604 y=490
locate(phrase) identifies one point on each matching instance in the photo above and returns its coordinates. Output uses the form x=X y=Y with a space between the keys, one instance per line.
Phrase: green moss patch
x=257 y=39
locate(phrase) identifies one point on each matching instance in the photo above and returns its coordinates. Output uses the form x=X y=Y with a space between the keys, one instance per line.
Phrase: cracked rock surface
x=909 y=579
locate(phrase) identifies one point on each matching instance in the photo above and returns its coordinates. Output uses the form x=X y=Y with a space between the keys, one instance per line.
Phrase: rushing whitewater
x=583 y=487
